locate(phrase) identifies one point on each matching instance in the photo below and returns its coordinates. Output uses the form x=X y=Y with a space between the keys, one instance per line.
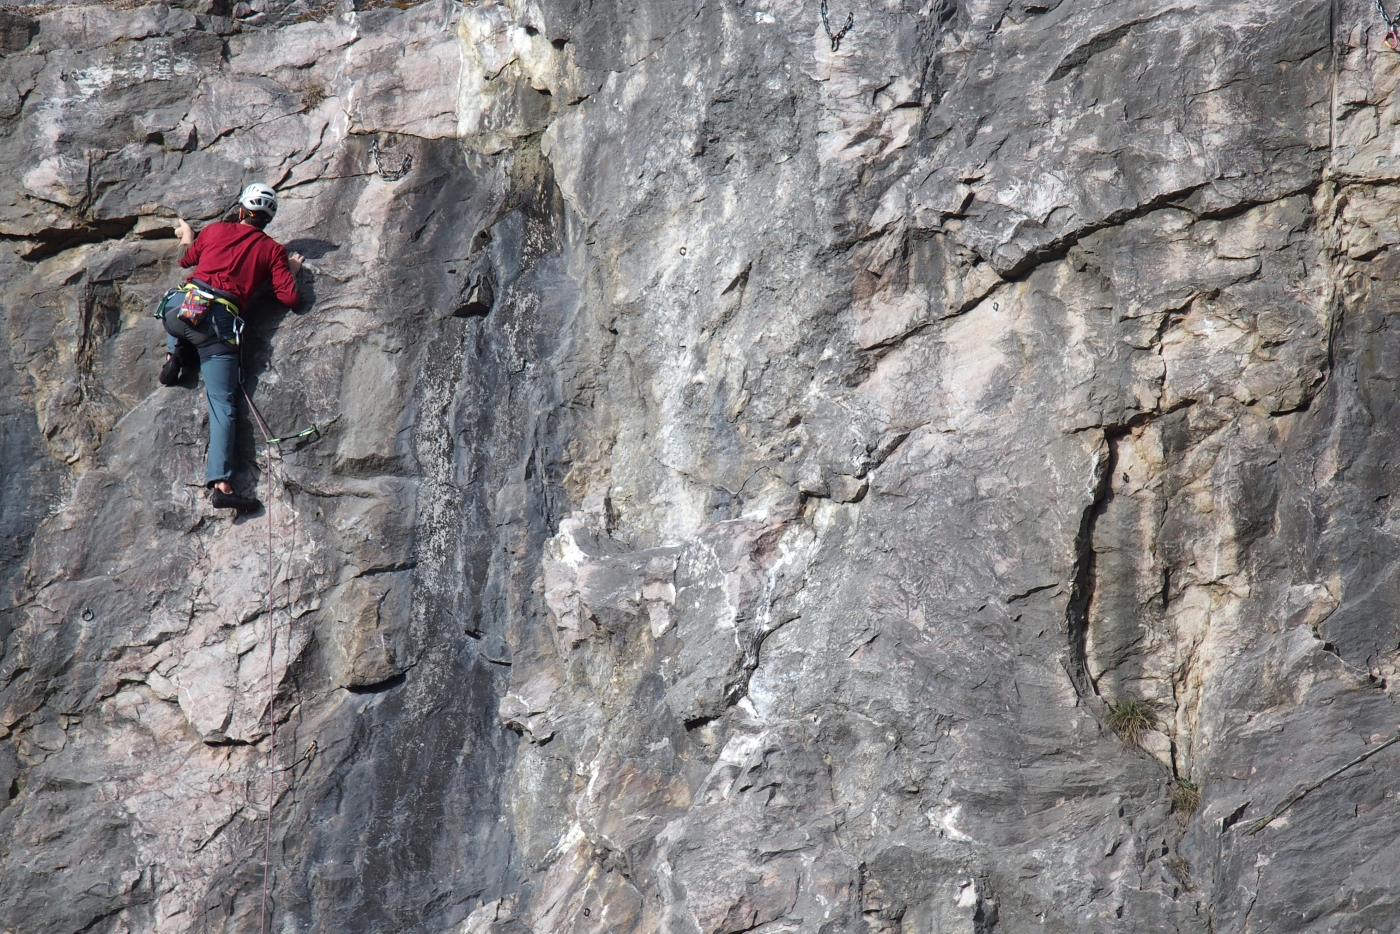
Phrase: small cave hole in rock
x=1233 y=817
x=379 y=687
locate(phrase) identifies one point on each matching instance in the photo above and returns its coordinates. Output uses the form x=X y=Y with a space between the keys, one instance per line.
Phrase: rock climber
x=232 y=258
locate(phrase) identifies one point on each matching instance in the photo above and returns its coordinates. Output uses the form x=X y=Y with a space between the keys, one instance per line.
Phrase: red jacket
x=237 y=258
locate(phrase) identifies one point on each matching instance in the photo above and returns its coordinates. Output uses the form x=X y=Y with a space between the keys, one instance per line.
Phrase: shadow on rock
x=312 y=248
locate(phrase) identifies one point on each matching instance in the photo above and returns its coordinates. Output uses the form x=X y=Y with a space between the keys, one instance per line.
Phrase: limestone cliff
x=897 y=466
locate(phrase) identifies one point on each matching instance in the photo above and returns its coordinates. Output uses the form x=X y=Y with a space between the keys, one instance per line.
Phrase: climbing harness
x=840 y=34
x=199 y=302
x=1392 y=35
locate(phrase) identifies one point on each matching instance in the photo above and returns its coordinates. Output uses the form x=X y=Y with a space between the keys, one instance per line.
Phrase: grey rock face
x=936 y=484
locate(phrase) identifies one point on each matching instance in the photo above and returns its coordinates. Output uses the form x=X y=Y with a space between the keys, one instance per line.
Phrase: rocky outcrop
x=933 y=481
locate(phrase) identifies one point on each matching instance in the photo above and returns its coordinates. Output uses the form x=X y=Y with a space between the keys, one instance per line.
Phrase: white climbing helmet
x=259 y=197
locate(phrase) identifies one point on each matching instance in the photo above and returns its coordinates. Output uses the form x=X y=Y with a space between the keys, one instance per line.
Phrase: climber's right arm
x=189 y=241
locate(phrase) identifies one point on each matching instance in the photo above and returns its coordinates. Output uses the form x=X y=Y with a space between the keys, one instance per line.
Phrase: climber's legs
x=176 y=355
x=183 y=351
x=220 y=384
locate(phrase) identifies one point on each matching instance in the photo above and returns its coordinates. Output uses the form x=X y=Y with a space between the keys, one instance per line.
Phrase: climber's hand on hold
x=183 y=231
x=294 y=261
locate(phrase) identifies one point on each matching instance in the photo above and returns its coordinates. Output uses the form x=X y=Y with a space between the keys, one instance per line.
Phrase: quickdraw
x=262 y=423
x=266 y=432
x=1392 y=35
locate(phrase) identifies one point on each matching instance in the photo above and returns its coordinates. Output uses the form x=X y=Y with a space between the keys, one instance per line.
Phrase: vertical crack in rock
x=1082 y=582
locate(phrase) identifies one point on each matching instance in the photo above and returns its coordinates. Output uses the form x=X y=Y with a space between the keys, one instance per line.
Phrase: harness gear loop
x=159 y=313
x=1392 y=35
x=197 y=295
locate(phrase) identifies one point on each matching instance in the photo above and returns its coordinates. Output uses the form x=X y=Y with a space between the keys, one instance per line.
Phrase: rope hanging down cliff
x=271 y=679
x=271 y=448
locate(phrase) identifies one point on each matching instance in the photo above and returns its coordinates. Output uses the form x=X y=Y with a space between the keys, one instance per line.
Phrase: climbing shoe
x=240 y=504
x=170 y=373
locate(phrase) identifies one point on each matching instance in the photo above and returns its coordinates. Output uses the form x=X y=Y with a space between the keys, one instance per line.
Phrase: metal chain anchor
x=390 y=175
x=840 y=34
x=1392 y=35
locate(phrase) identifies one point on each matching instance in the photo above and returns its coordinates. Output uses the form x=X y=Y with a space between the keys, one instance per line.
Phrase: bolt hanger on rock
x=840 y=34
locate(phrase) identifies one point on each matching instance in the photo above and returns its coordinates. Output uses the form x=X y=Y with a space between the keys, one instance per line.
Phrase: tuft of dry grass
x=1181 y=869
x=1131 y=717
x=1186 y=797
